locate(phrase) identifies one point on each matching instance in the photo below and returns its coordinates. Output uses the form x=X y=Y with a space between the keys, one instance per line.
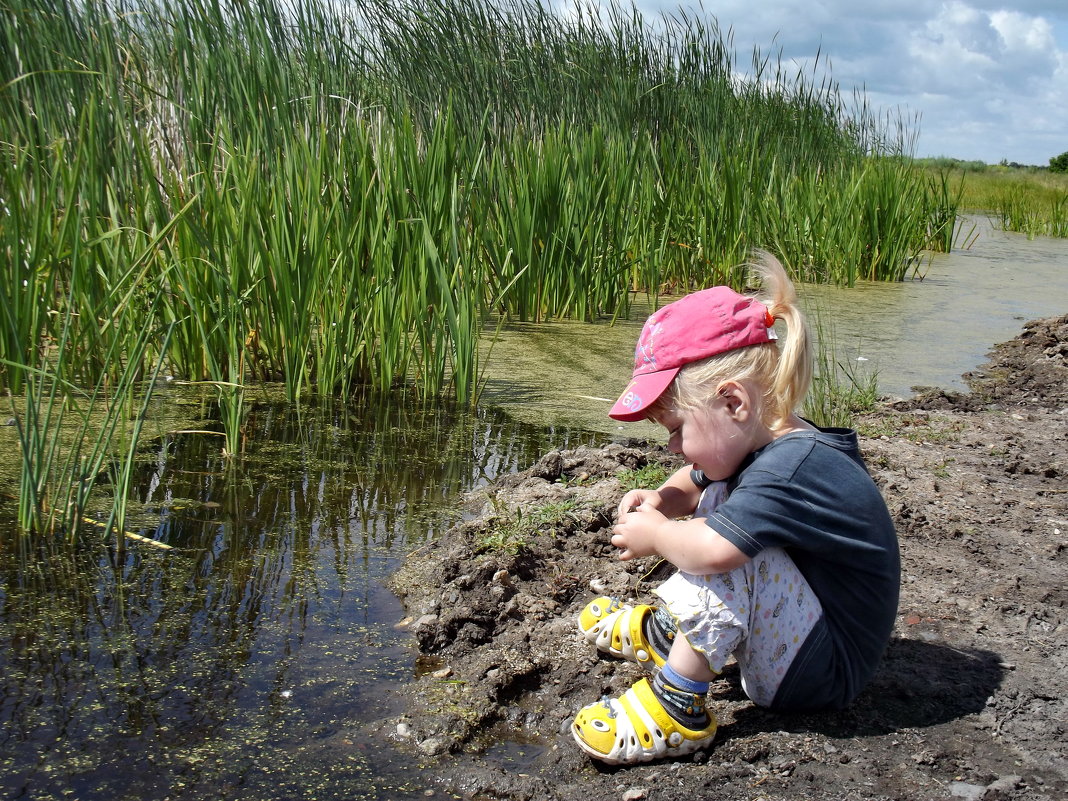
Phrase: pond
x=926 y=331
x=253 y=660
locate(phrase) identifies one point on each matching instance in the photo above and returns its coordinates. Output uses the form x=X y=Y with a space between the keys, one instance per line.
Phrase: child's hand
x=635 y=533
x=635 y=498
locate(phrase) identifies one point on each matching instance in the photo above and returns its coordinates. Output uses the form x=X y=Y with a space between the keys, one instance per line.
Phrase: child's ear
x=736 y=398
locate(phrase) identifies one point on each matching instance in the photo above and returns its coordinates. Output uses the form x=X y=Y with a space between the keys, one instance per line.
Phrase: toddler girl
x=788 y=558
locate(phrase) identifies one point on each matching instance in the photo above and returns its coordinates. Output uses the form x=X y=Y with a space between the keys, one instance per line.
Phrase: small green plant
x=912 y=428
x=941 y=470
x=649 y=476
x=512 y=534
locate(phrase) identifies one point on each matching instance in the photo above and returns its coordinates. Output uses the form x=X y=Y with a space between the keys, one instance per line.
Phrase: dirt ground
x=971 y=701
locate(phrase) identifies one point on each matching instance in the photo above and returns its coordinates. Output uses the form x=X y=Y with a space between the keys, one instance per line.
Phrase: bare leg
x=688 y=662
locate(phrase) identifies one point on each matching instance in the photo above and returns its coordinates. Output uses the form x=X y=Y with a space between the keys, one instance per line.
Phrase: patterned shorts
x=760 y=612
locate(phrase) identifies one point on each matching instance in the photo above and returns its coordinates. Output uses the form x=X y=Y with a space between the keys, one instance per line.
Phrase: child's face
x=712 y=438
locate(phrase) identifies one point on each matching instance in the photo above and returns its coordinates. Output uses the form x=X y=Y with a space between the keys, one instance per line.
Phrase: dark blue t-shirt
x=810 y=493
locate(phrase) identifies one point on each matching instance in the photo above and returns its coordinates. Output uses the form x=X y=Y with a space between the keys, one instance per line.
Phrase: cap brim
x=641 y=393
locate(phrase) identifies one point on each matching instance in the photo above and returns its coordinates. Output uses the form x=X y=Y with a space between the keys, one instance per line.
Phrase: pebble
x=434 y=746
x=1002 y=788
x=635 y=793
x=969 y=792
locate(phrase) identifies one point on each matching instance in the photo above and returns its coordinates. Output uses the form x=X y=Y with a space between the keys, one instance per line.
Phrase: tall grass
x=840 y=389
x=336 y=196
x=71 y=438
x=1029 y=201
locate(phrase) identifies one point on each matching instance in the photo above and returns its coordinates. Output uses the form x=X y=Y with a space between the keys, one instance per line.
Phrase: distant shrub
x=1059 y=163
x=946 y=162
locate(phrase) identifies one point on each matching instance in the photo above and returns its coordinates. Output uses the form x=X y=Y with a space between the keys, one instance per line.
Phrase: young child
x=789 y=559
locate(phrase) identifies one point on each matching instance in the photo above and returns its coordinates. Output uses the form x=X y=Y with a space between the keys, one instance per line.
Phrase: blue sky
x=988 y=78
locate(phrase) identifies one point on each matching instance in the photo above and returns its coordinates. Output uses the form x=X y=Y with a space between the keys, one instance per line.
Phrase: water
x=256 y=659
x=917 y=333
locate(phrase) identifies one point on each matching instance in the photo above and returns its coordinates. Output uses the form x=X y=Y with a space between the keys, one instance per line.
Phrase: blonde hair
x=781 y=372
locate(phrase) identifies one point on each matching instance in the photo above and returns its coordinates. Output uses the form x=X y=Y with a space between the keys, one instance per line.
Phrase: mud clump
x=971 y=700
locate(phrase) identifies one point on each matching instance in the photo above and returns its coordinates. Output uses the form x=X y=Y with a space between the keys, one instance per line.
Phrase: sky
x=987 y=79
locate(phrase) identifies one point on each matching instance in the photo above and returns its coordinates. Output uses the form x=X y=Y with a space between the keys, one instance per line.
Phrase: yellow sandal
x=616 y=629
x=636 y=728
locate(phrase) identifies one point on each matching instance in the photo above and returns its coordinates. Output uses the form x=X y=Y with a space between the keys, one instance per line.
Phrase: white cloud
x=988 y=77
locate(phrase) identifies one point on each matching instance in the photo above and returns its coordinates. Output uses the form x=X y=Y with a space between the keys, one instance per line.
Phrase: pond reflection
x=257 y=658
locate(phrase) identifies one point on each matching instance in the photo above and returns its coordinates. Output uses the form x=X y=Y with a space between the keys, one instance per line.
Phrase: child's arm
x=691 y=545
x=676 y=497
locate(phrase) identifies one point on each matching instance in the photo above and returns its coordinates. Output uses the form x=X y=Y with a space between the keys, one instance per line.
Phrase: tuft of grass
x=512 y=533
x=648 y=476
x=840 y=390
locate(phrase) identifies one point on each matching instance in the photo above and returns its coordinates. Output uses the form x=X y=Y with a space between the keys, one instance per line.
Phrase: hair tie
x=769 y=318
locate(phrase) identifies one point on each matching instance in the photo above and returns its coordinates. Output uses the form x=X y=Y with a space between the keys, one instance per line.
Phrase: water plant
x=562 y=162
x=310 y=193
x=1028 y=201
x=72 y=439
x=840 y=389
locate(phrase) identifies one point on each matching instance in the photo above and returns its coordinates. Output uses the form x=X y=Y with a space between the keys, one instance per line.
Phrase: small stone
x=442 y=673
x=434 y=746
x=1001 y=789
x=404 y=730
x=635 y=793
x=969 y=792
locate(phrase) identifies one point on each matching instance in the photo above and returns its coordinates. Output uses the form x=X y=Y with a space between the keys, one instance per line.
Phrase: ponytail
x=793 y=373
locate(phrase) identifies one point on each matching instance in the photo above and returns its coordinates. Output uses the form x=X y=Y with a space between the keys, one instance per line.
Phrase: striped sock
x=659 y=629
x=683 y=698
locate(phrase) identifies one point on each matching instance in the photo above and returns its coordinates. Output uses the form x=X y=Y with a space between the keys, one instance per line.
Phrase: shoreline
x=973 y=690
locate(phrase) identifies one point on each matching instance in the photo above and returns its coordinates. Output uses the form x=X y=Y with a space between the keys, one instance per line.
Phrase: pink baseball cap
x=692 y=328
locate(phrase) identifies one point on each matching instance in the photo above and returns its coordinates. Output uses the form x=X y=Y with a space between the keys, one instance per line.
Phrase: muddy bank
x=971 y=700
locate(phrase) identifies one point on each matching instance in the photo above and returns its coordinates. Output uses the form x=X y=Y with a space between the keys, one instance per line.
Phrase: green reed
x=339 y=195
x=1029 y=201
x=71 y=438
x=840 y=390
